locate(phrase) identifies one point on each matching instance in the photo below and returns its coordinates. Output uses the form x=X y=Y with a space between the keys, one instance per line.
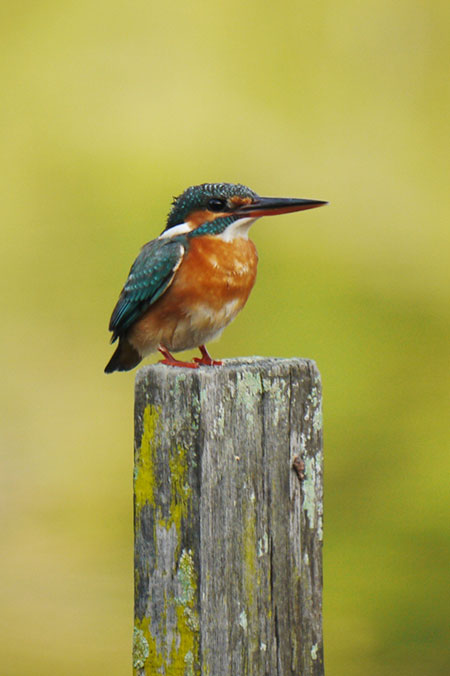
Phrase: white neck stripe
x=236 y=229
x=179 y=229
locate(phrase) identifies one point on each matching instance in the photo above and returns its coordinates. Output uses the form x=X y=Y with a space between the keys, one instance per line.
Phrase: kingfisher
x=189 y=283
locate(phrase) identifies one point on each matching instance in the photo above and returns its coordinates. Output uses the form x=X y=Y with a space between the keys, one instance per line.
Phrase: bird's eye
x=216 y=204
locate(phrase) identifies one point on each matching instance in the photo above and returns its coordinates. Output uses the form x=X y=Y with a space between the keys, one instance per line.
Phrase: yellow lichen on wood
x=144 y=478
x=180 y=491
x=153 y=654
x=183 y=659
x=146 y=657
x=186 y=654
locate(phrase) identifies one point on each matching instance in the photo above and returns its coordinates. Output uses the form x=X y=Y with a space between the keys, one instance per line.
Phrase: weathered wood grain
x=228 y=536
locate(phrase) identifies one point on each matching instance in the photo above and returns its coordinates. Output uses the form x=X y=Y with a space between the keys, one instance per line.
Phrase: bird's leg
x=171 y=361
x=206 y=359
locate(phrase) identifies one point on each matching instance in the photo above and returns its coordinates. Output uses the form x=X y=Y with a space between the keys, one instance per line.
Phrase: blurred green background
x=109 y=109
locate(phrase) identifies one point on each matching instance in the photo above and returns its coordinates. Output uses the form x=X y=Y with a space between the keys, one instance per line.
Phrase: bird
x=189 y=283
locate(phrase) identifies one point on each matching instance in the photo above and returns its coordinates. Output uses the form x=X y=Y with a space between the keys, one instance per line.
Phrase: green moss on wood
x=140 y=648
x=149 y=661
x=248 y=388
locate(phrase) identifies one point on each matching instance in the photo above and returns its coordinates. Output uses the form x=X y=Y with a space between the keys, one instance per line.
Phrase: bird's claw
x=207 y=361
x=170 y=360
x=177 y=362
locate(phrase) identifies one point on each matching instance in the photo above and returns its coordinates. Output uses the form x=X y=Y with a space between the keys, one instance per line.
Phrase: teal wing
x=151 y=274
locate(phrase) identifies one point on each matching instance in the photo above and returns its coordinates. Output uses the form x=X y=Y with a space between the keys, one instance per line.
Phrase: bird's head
x=214 y=207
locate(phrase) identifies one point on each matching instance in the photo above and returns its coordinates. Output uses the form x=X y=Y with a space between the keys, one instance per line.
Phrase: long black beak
x=270 y=206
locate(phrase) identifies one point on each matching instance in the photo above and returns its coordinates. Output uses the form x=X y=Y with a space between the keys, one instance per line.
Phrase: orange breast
x=211 y=286
x=215 y=272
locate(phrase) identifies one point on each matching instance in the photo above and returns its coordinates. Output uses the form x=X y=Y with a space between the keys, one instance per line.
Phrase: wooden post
x=228 y=520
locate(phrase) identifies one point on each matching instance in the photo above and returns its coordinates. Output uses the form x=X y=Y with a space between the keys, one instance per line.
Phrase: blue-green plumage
x=152 y=273
x=149 y=277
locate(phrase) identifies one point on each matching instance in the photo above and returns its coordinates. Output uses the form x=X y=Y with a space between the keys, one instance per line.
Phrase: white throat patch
x=237 y=229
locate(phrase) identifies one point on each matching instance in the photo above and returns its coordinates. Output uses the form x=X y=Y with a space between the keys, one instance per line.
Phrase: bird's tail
x=124 y=358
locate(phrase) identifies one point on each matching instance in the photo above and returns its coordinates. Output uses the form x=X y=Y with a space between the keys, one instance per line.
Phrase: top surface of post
x=252 y=365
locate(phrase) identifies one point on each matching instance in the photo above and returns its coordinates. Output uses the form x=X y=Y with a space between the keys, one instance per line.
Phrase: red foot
x=206 y=359
x=171 y=361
